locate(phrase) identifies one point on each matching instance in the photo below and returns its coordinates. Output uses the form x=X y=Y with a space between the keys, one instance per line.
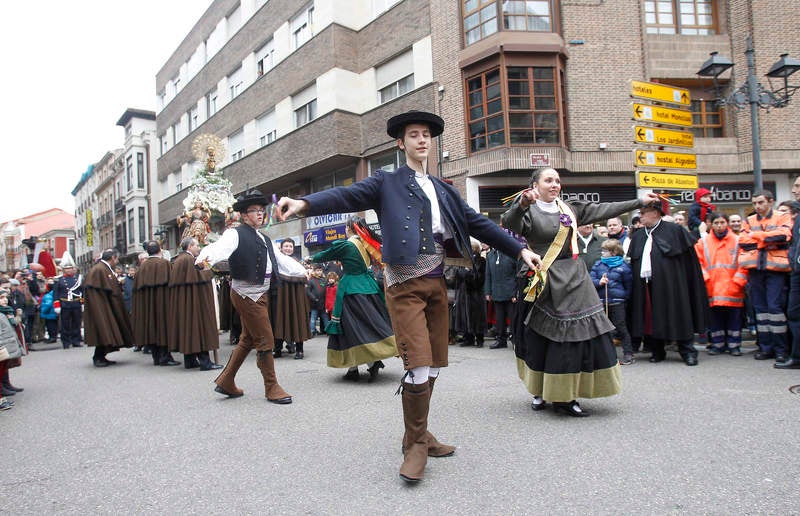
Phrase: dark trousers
x=726 y=327
x=793 y=313
x=71 y=317
x=27 y=327
x=769 y=302
x=656 y=346
x=502 y=311
x=52 y=328
x=616 y=313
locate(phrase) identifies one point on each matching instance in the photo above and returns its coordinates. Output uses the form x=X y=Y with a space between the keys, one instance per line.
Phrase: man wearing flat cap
x=254 y=271
x=668 y=298
x=422 y=219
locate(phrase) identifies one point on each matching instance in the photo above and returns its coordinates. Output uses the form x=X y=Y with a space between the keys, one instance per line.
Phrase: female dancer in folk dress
x=566 y=350
x=360 y=331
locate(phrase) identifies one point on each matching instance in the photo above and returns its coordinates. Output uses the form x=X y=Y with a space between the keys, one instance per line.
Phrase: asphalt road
x=720 y=438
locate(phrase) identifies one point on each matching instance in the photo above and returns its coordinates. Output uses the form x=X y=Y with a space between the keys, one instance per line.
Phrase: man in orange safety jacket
x=725 y=278
x=764 y=251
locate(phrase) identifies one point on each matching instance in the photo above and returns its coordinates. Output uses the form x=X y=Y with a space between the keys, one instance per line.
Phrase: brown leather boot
x=225 y=383
x=272 y=390
x=435 y=448
x=416 y=400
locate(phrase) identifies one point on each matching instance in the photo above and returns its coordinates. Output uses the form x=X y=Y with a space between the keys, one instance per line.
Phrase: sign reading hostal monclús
x=661 y=115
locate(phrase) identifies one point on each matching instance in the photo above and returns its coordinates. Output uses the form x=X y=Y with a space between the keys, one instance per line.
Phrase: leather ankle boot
x=272 y=389
x=416 y=400
x=7 y=383
x=225 y=383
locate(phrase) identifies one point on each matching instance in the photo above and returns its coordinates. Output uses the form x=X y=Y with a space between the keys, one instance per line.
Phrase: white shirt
x=436 y=216
x=223 y=248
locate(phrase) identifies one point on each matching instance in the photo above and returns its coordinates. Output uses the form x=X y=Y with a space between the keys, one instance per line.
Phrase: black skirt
x=366 y=332
x=565 y=371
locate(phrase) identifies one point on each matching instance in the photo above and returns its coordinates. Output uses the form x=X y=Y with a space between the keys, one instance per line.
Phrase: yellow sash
x=539 y=279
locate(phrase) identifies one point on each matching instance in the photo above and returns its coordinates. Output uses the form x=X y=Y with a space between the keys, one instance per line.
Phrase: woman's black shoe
x=373 y=370
x=571 y=409
x=352 y=375
x=539 y=406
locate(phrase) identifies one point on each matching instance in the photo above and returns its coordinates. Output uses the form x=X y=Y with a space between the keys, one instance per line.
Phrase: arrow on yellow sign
x=663 y=136
x=657 y=159
x=660 y=93
x=661 y=115
x=666 y=181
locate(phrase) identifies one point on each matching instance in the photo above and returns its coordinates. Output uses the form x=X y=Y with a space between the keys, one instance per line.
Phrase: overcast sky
x=70 y=71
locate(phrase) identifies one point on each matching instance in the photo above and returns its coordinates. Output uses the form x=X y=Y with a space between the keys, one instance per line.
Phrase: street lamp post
x=754 y=94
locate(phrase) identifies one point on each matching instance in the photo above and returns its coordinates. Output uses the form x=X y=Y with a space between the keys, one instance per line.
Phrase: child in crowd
x=612 y=278
x=48 y=313
x=330 y=292
x=700 y=209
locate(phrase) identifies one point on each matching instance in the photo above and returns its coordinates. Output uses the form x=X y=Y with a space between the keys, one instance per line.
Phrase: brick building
x=300 y=92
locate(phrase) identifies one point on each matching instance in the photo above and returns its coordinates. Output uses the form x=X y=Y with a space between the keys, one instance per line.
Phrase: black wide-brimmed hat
x=660 y=205
x=253 y=197
x=397 y=124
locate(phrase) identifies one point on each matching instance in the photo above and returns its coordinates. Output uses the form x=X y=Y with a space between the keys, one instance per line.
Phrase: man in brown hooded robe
x=106 y=324
x=191 y=297
x=150 y=304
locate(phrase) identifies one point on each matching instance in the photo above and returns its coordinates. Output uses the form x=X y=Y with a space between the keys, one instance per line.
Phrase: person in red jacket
x=725 y=282
x=330 y=292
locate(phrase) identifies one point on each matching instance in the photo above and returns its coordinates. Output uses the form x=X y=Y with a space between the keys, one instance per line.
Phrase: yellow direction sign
x=660 y=93
x=666 y=181
x=663 y=137
x=658 y=159
x=661 y=115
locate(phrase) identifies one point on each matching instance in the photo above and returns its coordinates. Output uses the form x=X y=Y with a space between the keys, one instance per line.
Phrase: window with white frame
x=215 y=41
x=395 y=77
x=236 y=145
x=211 y=103
x=234 y=20
x=236 y=83
x=265 y=128
x=193 y=120
x=164 y=143
x=305 y=106
x=342 y=177
x=130 y=226
x=301 y=26
x=129 y=172
x=197 y=61
x=176 y=132
x=142 y=225
x=140 y=170
x=389 y=161
x=265 y=57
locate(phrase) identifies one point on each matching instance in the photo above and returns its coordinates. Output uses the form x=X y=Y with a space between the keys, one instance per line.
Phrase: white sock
x=537 y=400
x=418 y=375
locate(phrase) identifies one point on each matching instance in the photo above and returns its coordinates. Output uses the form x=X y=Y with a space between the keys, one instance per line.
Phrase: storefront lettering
x=581 y=196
